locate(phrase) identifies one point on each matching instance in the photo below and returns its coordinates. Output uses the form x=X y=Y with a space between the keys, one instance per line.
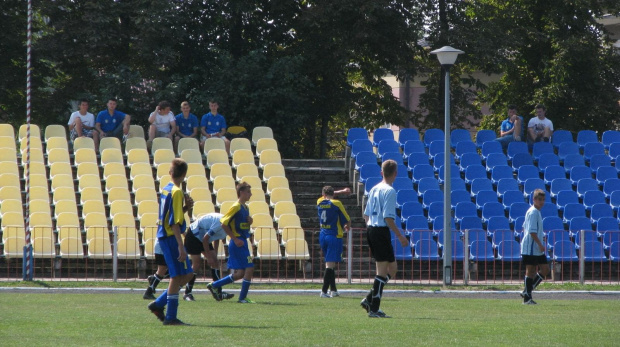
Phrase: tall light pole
x=447 y=56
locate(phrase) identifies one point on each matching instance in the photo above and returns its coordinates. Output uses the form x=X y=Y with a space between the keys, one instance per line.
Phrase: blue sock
x=224 y=281
x=173 y=304
x=162 y=299
x=245 y=286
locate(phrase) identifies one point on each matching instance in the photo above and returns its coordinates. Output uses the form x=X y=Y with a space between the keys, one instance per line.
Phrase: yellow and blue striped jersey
x=237 y=219
x=332 y=216
x=170 y=210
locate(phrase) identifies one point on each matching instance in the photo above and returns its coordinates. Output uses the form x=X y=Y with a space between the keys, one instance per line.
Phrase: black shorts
x=193 y=246
x=534 y=259
x=160 y=260
x=380 y=243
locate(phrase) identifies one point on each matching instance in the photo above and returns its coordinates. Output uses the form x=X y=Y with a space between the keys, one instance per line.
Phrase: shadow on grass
x=237 y=326
x=279 y=304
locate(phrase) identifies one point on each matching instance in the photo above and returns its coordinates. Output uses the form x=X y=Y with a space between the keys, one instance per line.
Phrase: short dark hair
x=541 y=106
x=389 y=168
x=328 y=191
x=178 y=168
x=512 y=107
x=539 y=193
x=213 y=101
x=83 y=100
x=113 y=99
x=164 y=104
x=242 y=187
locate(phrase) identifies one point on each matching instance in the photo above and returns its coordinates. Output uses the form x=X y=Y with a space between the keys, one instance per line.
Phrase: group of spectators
x=163 y=123
x=539 y=128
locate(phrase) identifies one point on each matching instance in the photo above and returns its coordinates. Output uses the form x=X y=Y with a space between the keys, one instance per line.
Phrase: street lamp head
x=447 y=55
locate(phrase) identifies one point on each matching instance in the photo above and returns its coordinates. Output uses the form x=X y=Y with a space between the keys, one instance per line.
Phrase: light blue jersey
x=208 y=224
x=381 y=204
x=533 y=224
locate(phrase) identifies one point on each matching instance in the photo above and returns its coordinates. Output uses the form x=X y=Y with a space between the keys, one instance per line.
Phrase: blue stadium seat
x=556 y=235
x=593 y=197
x=564 y=251
x=567 y=148
x=464 y=209
x=496 y=159
x=549 y=210
x=491 y=147
x=400 y=252
x=405 y=195
x=573 y=160
x=356 y=134
x=411 y=208
x=474 y=235
x=483 y=136
x=553 y=223
x=417 y=159
x=560 y=137
x=499 y=236
x=566 y=197
x=481 y=250
x=532 y=184
x=419 y=234
x=578 y=223
x=591 y=149
x=402 y=183
x=465 y=147
x=588 y=235
x=470 y=222
x=381 y=134
x=438 y=223
x=512 y=196
x=484 y=197
x=435 y=209
x=586 y=184
x=363 y=158
x=431 y=196
x=614 y=252
x=515 y=147
x=458 y=250
x=614 y=151
x=614 y=202
x=413 y=146
x=506 y=184
x=431 y=135
x=547 y=159
x=439 y=161
x=492 y=209
x=456 y=235
x=416 y=223
x=611 y=185
x=560 y=184
x=427 y=183
x=457 y=196
x=609 y=237
x=541 y=148
x=605 y=173
x=480 y=184
x=518 y=209
x=457 y=183
x=475 y=172
x=421 y=171
x=579 y=172
x=609 y=137
x=599 y=160
x=522 y=159
x=426 y=250
x=437 y=146
x=509 y=251
x=527 y=172
x=599 y=211
x=553 y=172
x=408 y=134
x=401 y=171
x=371 y=182
x=387 y=146
x=593 y=252
x=361 y=145
x=586 y=136
x=397 y=157
x=572 y=211
x=498 y=223
x=606 y=224
x=500 y=172
x=459 y=135
x=518 y=225
x=468 y=159
x=369 y=170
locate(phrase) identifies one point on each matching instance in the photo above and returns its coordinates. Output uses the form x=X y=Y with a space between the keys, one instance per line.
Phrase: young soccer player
x=171 y=226
x=236 y=223
x=333 y=218
x=532 y=248
x=159 y=275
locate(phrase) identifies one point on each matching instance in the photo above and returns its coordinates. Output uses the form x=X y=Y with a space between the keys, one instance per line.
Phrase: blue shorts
x=331 y=246
x=170 y=249
x=239 y=257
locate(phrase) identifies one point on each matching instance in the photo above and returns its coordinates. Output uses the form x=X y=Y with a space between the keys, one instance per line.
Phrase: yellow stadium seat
x=277 y=182
x=43 y=247
x=57 y=143
x=121 y=207
x=138 y=155
x=89 y=181
x=290 y=233
x=36 y=155
x=224 y=195
x=12 y=168
x=135 y=143
x=87 y=168
x=196 y=182
x=268 y=249
x=111 y=155
x=10 y=156
x=67 y=219
x=145 y=194
x=85 y=155
x=39 y=193
x=283 y=207
x=192 y=156
x=60 y=169
x=42 y=206
x=97 y=232
x=109 y=142
x=128 y=249
x=261 y=133
x=35 y=131
x=63 y=193
x=161 y=143
x=213 y=143
x=14 y=247
x=149 y=246
x=38 y=180
x=147 y=206
x=221 y=252
x=35 y=143
x=288 y=221
x=253 y=181
x=163 y=155
x=68 y=231
x=83 y=142
x=11 y=206
x=99 y=248
x=93 y=206
x=54 y=130
x=219 y=170
x=148 y=225
x=245 y=170
x=201 y=208
x=162 y=170
x=41 y=219
x=91 y=193
x=62 y=181
x=95 y=219
x=296 y=249
x=242 y=156
x=110 y=169
x=239 y=143
x=225 y=206
x=163 y=181
x=71 y=248
x=188 y=143
x=222 y=182
x=116 y=181
x=7 y=130
x=143 y=181
x=140 y=169
x=200 y=194
x=269 y=156
x=8 y=142
x=264 y=144
x=10 y=231
x=195 y=170
x=261 y=220
x=258 y=207
x=271 y=170
x=280 y=194
x=257 y=195
x=126 y=232
x=217 y=156
x=136 y=131
x=264 y=233
x=9 y=180
x=118 y=194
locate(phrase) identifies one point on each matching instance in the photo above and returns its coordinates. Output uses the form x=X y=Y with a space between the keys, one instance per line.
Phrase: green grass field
x=304 y=320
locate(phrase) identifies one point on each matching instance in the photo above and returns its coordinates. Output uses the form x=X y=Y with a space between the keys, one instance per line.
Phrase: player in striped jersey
x=532 y=248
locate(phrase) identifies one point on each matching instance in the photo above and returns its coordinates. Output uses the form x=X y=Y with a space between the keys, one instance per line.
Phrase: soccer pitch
x=69 y=319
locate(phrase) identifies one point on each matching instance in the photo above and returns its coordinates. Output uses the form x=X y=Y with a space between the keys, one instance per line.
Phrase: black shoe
x=378 y=314
x=365 y=305
x=148 y=294
x=157 y=311
x=217 y=296
x=174 y=322
x=188 y=297
x=227 y=296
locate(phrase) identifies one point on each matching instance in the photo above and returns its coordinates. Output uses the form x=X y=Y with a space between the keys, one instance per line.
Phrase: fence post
x=115 y=254
x=350 y=256
x=582 y=263
x=466 y=259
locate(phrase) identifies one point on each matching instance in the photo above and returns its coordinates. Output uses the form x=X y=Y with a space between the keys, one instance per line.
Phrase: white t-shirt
x=88 y=119
x=540 y=125
x=162 y=123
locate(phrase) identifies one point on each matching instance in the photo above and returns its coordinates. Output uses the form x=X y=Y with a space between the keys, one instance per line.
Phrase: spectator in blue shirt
x=113 y=123
x=213 y=124
x=511 y=129
x=187 y=124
